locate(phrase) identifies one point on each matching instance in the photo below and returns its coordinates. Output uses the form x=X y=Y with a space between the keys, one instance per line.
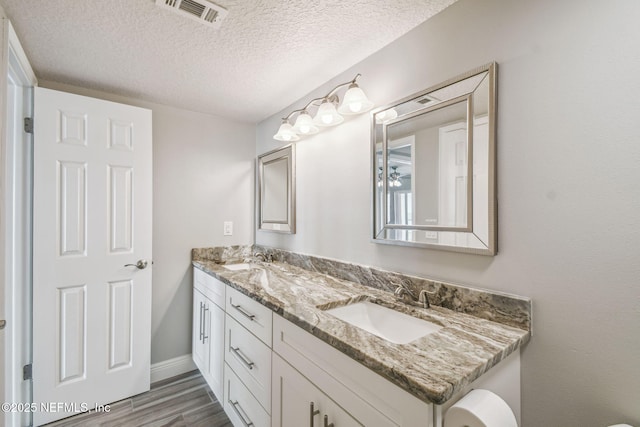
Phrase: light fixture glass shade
x=286 y=133
x=304 y=124
x=355 y=101
x=386 y=115
x=327 y=115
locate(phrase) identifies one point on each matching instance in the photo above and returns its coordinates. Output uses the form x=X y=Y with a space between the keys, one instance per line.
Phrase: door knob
x=140 y=265
x=3 y=323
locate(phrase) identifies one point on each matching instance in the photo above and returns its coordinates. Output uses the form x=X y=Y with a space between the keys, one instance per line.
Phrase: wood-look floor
x=182 y=401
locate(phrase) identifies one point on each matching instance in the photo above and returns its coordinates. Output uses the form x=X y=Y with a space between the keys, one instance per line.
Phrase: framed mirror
x=433 y=166
x=276 y=193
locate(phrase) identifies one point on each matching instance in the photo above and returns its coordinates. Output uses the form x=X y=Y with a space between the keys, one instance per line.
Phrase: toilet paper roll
x=480 y=408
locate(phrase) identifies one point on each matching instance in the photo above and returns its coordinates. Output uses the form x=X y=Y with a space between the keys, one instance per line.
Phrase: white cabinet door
x=298 y=403
x=200 y=351
x=208 y=341
x=92 y=211
x=215 y=342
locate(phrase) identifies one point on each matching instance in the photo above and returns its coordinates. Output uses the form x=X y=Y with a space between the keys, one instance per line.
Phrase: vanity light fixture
x=286 y=132
x=304 y=124
x=355 y=102
x=327 y=114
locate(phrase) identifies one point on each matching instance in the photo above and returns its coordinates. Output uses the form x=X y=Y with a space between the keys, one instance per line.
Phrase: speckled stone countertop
x=432 y=368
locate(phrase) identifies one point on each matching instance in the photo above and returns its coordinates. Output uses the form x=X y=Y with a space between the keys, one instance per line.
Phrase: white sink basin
x=384 y=322
x=236 y=267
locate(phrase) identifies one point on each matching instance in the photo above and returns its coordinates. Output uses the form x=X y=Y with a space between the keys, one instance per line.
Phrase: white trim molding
x=172 y=367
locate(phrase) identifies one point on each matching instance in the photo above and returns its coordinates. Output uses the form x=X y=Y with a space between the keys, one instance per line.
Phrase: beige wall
x=203 y=174
x=568 y=173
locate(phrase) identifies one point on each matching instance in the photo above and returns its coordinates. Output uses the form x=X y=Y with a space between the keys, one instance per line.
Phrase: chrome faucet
x=263 y=257
x=423 y=298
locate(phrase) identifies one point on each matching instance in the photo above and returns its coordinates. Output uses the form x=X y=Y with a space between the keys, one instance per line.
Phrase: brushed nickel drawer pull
x=238 y=410
x=201 y=317
x=205 y=337
x=312 y=413
x=242 y=357
x=326 y=422
x=244 y=312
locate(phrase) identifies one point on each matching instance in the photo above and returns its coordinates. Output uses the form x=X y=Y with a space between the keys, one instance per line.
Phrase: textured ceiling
x=266 y=55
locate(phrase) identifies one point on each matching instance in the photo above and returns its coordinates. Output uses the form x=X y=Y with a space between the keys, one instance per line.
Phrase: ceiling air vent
x=202 y=11
x=427 y=99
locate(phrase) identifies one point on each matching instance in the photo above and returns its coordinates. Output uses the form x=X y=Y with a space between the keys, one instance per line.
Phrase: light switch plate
x=228 y=228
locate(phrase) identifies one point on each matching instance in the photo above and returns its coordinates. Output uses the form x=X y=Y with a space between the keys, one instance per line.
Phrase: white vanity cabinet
x=269 y=372
x=208 y=329
x=307 y=370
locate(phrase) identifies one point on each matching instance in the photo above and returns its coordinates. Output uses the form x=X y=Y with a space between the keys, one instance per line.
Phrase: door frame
x=15 y=201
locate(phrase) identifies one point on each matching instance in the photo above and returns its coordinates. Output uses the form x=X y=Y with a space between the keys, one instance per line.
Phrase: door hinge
x=27 y=372
x=28 y=124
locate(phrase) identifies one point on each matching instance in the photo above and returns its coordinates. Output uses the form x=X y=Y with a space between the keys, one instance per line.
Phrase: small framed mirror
x=433 y=166
x=276 y=192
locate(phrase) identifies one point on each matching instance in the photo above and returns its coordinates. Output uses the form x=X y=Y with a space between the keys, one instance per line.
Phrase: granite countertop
x=432 y=368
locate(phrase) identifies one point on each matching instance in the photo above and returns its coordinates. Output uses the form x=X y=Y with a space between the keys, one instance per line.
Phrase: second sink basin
x=384 y=322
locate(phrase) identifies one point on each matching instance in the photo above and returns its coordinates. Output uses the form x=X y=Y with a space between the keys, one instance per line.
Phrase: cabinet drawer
x=251 y=314
x=250 y=360
x=240 y=406
x=211 y=287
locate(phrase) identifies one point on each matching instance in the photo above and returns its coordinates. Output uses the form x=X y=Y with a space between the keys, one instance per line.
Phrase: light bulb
x=286 y=132
x=355 y=101
x=304 y=124
x=327 y=115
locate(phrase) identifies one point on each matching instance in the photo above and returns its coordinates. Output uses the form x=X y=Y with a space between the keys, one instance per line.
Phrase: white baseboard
x=172 y=367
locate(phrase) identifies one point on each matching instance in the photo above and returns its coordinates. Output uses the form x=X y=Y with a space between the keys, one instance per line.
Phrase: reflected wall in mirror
x=434 y=166
x=276 y=195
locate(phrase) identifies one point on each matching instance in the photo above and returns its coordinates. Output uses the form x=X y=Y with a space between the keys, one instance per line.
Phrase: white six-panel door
x=92 y=216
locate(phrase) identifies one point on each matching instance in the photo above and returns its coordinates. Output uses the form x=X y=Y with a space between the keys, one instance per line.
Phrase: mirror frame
x=288 y=153
x=379 y=235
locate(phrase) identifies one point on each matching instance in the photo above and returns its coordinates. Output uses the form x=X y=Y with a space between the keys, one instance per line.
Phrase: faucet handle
x=266 y=257
x=406 y=285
